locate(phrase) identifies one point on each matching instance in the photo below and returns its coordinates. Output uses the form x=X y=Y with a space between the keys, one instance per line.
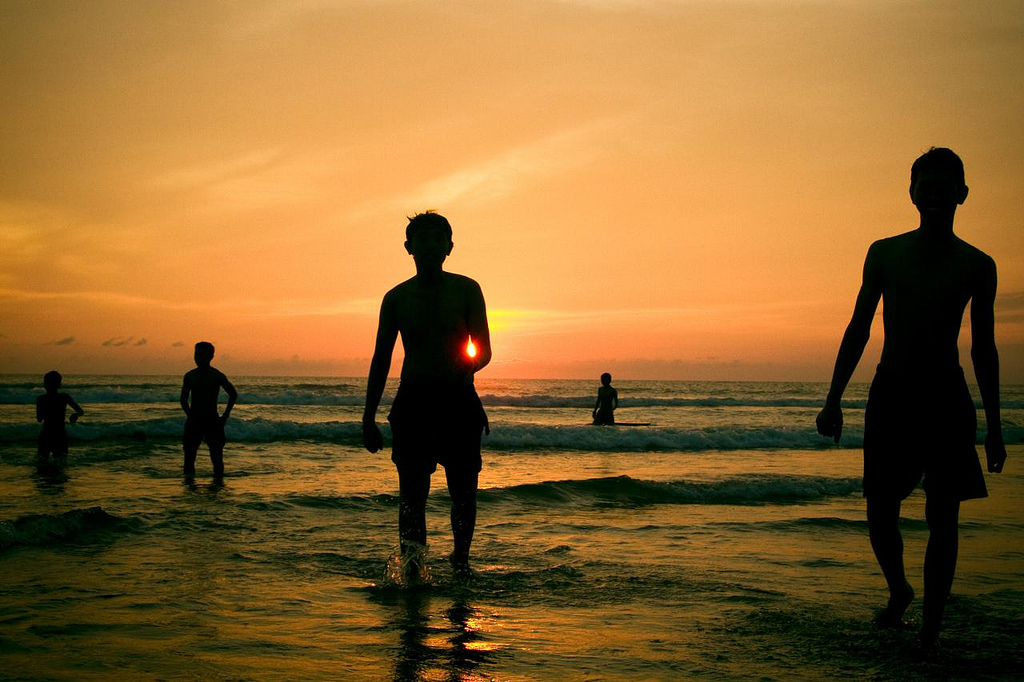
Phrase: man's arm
x=186 y=389
x=478 y=329
x=78 y=411
x=830 y=419
x=232 y=397
x=387 y=333
x=986 y=364
x=39 y=407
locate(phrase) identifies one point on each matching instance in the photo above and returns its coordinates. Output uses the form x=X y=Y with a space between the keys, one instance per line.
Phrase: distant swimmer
x=920 y=420
x=50 y=410
x=199 y=392
x=436 y=417
x=607 y=401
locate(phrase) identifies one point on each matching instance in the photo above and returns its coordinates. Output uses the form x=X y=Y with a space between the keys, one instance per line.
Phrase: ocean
x=727 y=540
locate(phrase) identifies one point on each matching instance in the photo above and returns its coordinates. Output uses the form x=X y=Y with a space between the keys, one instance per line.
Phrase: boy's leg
x=217 y=460
x=942 y=514
x=413 y=489
x=887 y=543
x=190 y=460
x=462 y=486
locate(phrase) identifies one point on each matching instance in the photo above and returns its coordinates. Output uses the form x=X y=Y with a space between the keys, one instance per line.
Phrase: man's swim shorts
x=921 y=425
x=433 y=424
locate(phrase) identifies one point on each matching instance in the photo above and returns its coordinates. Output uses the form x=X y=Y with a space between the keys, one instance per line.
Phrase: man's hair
x=206 y=346
x=52 y=378
x=427 y=219
x=939 y=159
x=606 y=377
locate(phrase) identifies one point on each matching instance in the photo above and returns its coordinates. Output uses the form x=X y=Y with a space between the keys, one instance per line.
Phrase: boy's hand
x=74 y=417
x=995 y=451
x=830 y=421
x=372 y=438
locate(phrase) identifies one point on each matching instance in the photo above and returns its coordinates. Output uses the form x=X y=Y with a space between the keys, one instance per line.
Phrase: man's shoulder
x=462 y=282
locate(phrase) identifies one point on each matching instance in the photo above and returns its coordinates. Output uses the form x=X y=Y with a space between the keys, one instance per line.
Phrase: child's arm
x=615 y=399
x=78 y=411
x=478 y=329
x=186 y=389
x=830 y=419
x=39 y=408
x=387 y=334
x=232 y=397
x=986 y=364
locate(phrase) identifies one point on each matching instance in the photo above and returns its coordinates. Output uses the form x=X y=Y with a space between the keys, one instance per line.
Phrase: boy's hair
x=205 y=346
x=606 y=378
x=52 y=378
x=939 y=159
x=427 y=219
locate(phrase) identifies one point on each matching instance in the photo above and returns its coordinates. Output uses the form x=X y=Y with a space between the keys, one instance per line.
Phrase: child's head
x=606 y=379
x=426 y=221
x=52 y=380
x=204 y=353
x=428 y=239
x=937 y=181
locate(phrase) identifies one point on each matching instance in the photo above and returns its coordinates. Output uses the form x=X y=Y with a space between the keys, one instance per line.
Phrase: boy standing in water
x=203 y=385
x=920 y=419
x=436 y=417
x=50 y=410
x=607 y=401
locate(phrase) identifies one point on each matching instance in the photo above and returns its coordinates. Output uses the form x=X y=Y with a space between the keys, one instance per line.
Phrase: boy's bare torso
x=435 y=319
x=204 y=384
x=926 y=284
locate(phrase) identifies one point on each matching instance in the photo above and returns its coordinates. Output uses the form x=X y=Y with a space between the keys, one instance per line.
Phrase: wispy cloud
x=178 y=344
x=66 y=341
x=141 y=342
x=118 y=341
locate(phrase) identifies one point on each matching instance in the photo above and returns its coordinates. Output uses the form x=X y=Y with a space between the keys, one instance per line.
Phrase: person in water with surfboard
x=607 y=401
x=436 y=416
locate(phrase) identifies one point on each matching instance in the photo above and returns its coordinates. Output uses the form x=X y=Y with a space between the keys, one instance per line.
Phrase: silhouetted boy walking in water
x=203 y=385
x=50 y=410
x=607 y=401
x=436 y=417
x=920 y=418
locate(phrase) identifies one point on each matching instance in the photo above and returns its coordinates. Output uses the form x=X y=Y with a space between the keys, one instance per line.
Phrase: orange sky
x=664 y=189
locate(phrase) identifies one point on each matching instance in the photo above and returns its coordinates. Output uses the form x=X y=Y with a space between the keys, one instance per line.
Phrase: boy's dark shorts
x=203 y=427
x=921 y=426
x=53 y=441
x=435 y=424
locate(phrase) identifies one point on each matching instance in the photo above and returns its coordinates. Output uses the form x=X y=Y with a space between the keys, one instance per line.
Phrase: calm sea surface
x=724 y=541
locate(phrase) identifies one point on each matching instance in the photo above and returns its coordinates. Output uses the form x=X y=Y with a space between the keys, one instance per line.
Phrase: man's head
x=937 y=181
x=428 y=239
x=606 y=379
x=52 y=380
x=204 y=353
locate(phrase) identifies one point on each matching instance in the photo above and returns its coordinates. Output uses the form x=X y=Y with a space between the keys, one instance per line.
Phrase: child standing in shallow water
x=50 y=410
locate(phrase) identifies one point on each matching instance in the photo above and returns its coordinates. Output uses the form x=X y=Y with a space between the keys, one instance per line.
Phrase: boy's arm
x=229 y=388
x=387 y=333
x=39 y=408
x=186 y=389
x=78 y=411
x=830 y=419
x=986 y=364
x=478 y=329
x=615 y=399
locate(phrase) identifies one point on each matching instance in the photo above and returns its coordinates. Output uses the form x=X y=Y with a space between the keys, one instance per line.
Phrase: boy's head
x=428 y=238
x=606 y=379
x=204 y=353
x=52 y=380
x=937 y=181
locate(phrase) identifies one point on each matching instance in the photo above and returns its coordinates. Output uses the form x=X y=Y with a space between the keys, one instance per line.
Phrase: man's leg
x=217 y=460
x=942 y=514
x=413 y=489
x=887 y=543
x=462 y=486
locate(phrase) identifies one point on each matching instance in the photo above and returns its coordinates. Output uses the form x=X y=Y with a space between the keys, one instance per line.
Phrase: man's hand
x=995 y=451
x=73 y=418
x=830 y=421
x=372 y=438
